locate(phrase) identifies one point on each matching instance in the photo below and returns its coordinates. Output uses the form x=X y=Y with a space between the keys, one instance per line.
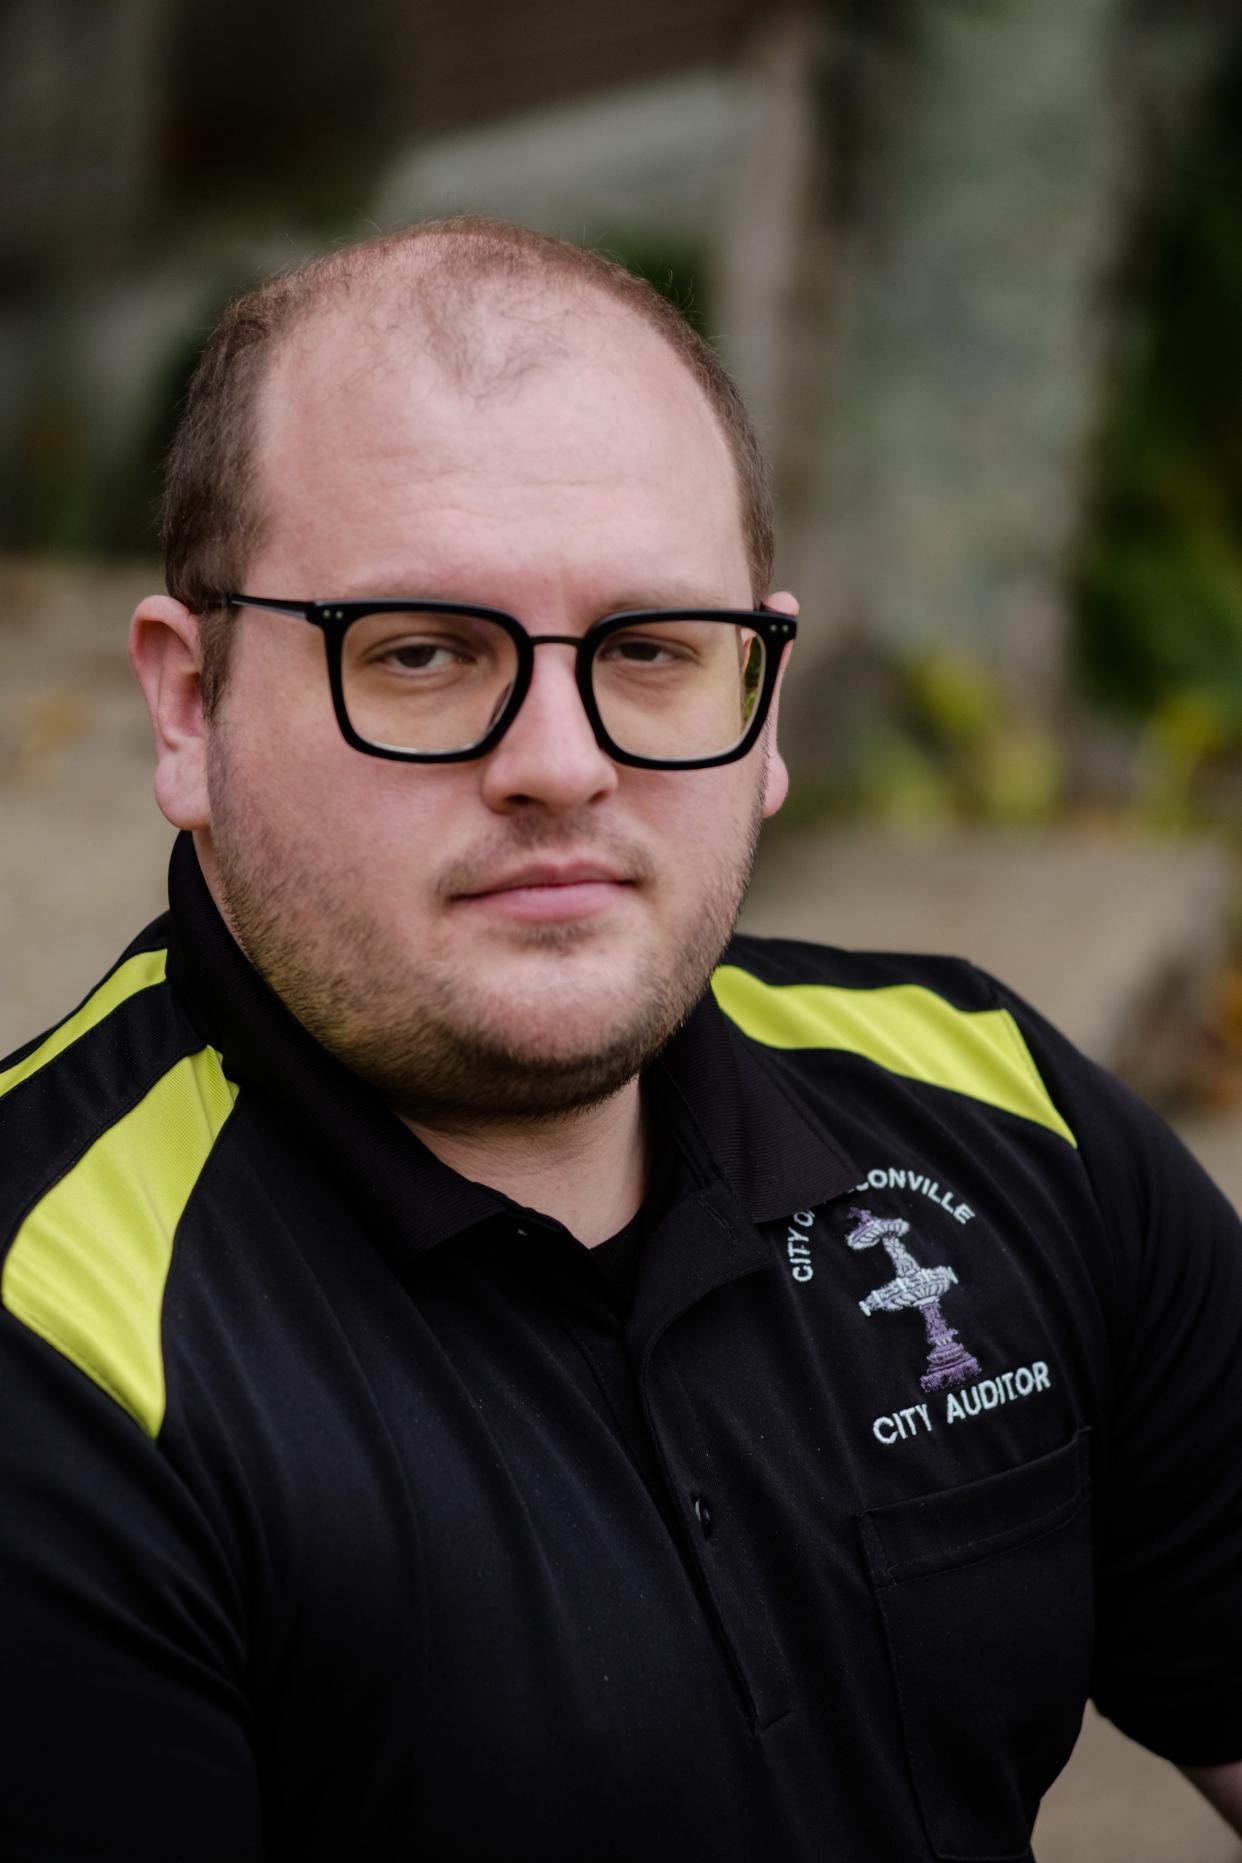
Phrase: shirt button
x=703 y=1514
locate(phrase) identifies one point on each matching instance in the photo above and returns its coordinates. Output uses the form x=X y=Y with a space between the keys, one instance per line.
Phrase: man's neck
x=589 y=1170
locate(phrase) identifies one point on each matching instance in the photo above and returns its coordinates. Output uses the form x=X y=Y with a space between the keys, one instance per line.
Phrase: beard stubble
x=434 y=1043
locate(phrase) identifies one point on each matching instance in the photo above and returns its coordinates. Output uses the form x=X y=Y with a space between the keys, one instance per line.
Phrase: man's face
x=521 y=933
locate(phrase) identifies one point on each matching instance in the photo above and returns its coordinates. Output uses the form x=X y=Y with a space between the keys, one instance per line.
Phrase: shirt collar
x=722 y=1088
x=387 y=1174
x=731 y=1113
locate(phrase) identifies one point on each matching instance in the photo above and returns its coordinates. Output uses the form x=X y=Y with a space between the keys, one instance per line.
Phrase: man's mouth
x=545 y=890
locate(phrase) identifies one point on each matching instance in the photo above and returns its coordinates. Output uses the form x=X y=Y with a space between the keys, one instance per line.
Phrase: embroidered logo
x=798 y=1245
x=913 y=1285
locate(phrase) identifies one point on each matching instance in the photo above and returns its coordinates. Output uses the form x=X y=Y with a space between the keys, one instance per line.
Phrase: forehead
x=553 y=425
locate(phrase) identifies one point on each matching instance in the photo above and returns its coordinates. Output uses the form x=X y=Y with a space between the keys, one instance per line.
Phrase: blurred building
x=155 y=154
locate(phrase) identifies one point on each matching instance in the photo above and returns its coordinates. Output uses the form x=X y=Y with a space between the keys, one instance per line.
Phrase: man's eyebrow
x=384 y=589
x=667 y=595
x=670 y=595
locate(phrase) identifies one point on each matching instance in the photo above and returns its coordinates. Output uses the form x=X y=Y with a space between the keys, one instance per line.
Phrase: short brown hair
x=212 y=513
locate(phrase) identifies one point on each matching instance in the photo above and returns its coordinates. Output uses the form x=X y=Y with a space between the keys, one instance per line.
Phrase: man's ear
x=165 y=654
x=776 y=775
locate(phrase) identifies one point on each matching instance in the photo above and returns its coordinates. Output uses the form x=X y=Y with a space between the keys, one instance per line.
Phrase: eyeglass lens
x=673 y=689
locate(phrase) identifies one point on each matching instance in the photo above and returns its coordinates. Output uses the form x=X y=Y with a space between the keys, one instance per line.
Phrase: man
x=485 y=1377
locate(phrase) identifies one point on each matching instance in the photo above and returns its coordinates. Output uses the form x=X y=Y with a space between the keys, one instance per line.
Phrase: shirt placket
x=703 y=1246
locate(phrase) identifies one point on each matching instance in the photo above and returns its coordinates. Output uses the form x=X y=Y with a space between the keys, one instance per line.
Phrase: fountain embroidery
x=913 y=1285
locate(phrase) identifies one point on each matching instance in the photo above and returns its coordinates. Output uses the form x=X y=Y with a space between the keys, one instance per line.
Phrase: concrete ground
x=1117 y=943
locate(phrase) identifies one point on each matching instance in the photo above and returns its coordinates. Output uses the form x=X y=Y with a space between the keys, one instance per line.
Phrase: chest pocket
x=985 y=1593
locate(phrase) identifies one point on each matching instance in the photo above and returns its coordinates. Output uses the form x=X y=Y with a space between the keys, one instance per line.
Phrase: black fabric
x=68 y=1103
x=445 y=1549
x=619 y=1257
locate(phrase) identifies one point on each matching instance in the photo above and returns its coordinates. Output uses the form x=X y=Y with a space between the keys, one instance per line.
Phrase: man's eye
x=424 y=656
x=640 y=650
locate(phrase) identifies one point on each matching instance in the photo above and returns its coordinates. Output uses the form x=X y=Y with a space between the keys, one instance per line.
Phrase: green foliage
x=925 y=740
x=1188 y=739
x=1159 y=586
x=998 y=765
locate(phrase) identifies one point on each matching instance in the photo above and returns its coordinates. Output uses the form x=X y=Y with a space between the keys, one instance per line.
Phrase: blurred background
x=977 y=265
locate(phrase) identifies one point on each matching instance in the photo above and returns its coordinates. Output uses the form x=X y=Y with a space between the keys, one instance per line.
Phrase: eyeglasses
x=441 y=682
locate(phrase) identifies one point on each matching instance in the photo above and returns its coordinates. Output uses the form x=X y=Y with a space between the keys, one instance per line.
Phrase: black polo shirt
x=349 y=1510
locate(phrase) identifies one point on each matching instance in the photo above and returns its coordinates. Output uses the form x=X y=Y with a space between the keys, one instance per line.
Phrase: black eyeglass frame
x=334 y=618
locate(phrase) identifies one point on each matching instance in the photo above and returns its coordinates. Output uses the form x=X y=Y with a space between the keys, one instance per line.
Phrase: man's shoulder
x=106 y=1123
x=793 y=961
x=109 y=1038
x=927 y=1020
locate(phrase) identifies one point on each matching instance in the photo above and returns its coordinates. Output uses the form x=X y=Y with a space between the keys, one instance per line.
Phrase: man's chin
x=476 y=1086
x=513 y=1065
x=559 y=1028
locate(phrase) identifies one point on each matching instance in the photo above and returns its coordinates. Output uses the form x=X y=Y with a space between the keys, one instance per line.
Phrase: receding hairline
x=507 y=341
x=214 y=520
x=482 y=330
x=443 y=284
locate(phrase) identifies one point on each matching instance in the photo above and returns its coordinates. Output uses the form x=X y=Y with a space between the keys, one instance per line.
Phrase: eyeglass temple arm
x=301 y=609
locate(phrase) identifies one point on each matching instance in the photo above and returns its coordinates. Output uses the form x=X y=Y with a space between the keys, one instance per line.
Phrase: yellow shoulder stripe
x=902 y=1027
x=87 y=1268
x=136 y=973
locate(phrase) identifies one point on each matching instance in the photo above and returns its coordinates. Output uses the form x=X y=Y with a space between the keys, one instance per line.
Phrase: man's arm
x=1222 y=1787
x=1167 y=1265
x=124 y=1723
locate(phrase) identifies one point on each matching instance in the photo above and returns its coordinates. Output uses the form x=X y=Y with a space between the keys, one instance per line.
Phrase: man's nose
x=549 y=755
